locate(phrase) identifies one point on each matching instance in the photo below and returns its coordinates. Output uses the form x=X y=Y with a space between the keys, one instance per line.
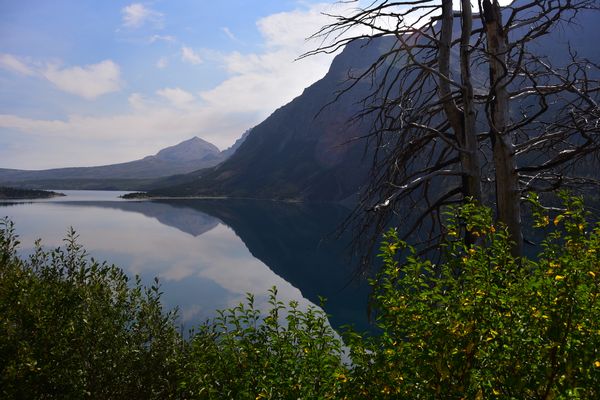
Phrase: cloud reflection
x=198 y=273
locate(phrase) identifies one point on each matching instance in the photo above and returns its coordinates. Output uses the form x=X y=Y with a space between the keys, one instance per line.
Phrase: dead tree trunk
x=508 y=193
x=424 y=105
x=461 y=121
x=468 y=141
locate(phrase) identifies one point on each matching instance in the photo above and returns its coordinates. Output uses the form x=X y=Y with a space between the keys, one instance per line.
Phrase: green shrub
x=72 y=328
x=287 y=354
x=482 y=324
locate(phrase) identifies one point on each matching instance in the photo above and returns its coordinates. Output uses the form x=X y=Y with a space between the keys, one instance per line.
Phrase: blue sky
x=92 y=82
x=87 y=82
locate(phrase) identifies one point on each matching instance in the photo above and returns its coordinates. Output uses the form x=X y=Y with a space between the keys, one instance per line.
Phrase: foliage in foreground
x=245 y=355
x=73 y=328
x=481 y=324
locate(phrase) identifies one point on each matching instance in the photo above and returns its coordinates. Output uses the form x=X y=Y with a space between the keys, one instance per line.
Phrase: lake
x=208 y=253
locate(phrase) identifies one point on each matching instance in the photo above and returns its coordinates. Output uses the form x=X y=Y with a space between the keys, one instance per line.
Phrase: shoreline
x=211 y=198
x=10 y=193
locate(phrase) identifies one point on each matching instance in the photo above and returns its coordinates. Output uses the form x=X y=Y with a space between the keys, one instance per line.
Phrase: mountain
x=228 y=152
x=185 y=157
x=302 y=151
x=191 y=150
x=306 y=152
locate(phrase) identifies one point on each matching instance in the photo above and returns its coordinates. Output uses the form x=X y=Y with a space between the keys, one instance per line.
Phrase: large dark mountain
x=305 y=152
x=302 y=151
x=185 y=157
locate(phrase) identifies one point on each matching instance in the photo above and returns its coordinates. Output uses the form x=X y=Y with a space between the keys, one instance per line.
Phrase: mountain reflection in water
x=201 y=263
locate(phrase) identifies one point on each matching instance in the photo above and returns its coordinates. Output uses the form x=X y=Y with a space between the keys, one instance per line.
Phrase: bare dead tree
x=465 y=113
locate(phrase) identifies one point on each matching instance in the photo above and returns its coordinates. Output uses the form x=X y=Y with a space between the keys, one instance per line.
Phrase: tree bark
x=461 y=121
x=470 y=162
x=508 y=194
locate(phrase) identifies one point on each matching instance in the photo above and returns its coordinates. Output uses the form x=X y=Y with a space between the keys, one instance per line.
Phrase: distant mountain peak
x=193 y=139
x=188 y=150
x=191 y=155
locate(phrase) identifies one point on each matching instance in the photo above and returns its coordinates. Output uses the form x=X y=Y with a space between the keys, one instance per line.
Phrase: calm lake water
x=208 y=253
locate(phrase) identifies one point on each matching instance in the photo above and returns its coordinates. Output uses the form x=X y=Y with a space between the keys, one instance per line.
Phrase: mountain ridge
x=302 y=151
x=187 y=156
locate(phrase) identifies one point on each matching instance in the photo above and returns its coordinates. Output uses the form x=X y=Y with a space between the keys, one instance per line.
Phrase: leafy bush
x=482 y=324
x=243 y=355
x=74 y=328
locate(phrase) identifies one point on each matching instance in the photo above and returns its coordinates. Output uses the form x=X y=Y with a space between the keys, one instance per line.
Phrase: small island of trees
x=10 y=193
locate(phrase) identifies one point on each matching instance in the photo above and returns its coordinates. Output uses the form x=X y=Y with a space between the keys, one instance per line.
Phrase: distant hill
x=187 y=156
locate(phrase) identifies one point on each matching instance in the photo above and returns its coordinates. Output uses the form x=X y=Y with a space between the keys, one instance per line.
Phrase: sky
x=95 y=82
x=92 y=82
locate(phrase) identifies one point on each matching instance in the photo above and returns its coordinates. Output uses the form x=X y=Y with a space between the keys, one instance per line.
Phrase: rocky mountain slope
x=302 y=151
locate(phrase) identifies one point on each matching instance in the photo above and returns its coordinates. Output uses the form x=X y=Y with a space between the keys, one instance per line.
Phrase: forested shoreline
x=11 y=193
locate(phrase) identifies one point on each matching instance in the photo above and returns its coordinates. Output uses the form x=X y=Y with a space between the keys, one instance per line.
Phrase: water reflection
x=209 y=253
x=185 y=219
x=297 y=242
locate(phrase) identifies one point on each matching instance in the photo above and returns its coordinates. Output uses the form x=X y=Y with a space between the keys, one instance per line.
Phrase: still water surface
x=207 y=253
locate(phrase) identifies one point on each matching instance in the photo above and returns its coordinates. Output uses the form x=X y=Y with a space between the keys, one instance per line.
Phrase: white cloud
x=137 y=101
x=177 y=97
x=136 y=14
x=47 y=127
x=229 y=34
x=162 y=38
x=264 y=81
x=258 y=84
x=13 y=64
x=189 y=55
x=89 y=81
x=80 y=140
x=162 y=63
x=149 y=125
